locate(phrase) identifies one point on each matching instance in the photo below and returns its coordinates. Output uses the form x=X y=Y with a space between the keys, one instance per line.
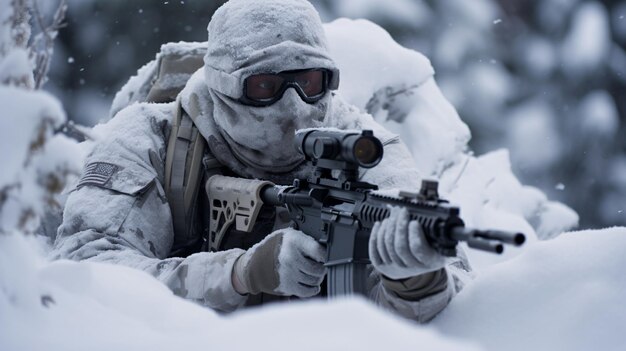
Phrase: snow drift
x=564 y=294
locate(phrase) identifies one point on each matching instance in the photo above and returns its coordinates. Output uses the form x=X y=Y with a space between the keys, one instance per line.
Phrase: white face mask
x=263 y=137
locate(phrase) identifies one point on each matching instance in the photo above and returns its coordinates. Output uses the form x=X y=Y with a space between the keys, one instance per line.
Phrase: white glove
x=398 y=248
x=287 y=262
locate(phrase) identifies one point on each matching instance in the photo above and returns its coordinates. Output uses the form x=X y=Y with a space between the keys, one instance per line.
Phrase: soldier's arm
x=421 y=297
x=119 y=213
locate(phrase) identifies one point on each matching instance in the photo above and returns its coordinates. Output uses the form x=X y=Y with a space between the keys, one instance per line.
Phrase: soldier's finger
x=308 y=247
x=419 y=245
x=305 y=290
x=392 y=236
x=310 y=280
x=312 y=267
x=386 y=229
x=373 y=244
x=402 y=244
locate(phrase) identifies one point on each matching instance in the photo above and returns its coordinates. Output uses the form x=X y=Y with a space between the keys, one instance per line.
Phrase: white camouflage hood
x=261 y=36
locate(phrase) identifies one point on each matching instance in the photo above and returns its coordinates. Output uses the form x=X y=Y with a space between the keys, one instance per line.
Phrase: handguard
x=232 y=200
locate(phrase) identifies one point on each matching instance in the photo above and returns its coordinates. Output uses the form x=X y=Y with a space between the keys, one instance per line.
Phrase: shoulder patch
x=97 y=173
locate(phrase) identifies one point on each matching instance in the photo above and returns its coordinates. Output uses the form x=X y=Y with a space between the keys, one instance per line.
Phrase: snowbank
x=67 y=306
x=563 y=294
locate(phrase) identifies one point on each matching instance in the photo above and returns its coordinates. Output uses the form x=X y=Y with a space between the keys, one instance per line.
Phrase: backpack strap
x=187 y=163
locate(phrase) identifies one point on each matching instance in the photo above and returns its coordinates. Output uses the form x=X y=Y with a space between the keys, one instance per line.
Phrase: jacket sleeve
x=118 y=212
x=422 y=297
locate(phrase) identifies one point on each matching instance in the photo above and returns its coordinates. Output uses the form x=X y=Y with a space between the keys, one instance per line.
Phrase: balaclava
x=263 y=36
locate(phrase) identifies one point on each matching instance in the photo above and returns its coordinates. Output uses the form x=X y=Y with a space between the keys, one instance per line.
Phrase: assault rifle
x=339 y=211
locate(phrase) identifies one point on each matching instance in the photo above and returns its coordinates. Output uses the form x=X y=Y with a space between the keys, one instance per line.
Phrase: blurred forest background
x=545 y=79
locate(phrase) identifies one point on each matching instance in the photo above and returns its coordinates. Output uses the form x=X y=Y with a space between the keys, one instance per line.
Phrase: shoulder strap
x=186 y=162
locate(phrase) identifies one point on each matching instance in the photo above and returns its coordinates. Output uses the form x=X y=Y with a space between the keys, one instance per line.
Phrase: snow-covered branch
x=15 y=68
x=43 y=43
x=36 y=162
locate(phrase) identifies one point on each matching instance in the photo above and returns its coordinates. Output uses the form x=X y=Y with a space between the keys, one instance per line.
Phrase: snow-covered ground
x=563 y=294
x=559 y=292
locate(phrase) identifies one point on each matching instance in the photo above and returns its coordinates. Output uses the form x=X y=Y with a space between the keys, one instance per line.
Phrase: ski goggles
x=266 y=88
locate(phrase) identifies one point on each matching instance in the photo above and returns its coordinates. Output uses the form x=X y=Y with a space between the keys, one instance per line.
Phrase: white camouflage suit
x=119 y=213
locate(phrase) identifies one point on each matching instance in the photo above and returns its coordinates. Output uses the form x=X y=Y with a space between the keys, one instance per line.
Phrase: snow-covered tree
x=36 y=163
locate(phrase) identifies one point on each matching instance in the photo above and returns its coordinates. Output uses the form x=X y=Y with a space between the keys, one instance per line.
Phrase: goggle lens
x=264 y=89
x=263 y=86
x=311 y=83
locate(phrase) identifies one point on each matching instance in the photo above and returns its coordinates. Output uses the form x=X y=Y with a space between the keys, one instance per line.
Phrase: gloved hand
x=398 y=248
x=287 y=262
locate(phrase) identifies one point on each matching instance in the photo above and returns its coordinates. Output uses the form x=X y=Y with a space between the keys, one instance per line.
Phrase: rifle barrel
x=488 y=240
x=513 y=238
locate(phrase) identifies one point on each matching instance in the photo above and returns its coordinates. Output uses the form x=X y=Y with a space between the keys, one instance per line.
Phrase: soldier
x=266 y=74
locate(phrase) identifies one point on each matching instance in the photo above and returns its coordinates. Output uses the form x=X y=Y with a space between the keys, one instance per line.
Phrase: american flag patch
x=97 y=173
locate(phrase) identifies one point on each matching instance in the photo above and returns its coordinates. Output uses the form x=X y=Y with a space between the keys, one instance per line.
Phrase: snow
x=400 y=12
x=129 y=310
x=137 y=87
x=478 y=13
x=17 y=127
x=35 y=163
x=538 y=56
x=487 y=80
x=360 y=43
x=485 y=188
x=490 y=196
x=599 y=114
x=15 y=66
x=400 y=78
x=564 y=294
x=533 y=135
x=589 y=41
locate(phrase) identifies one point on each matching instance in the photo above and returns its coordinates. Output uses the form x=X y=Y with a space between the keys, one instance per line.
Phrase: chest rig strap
x=184 y=171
